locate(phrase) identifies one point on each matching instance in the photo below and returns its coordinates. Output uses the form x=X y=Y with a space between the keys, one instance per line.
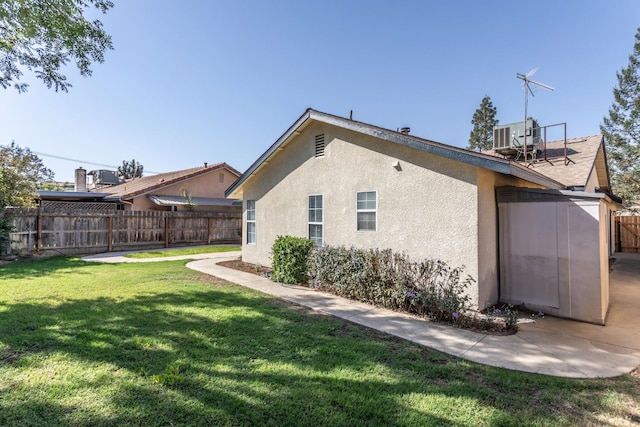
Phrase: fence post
x=39 y=228
x=166 y=231
x=110 y=235
x=208 y=230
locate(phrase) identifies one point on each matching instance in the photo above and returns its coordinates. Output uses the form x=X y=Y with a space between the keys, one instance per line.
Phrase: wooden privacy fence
x=628 y=234
x=38 y=230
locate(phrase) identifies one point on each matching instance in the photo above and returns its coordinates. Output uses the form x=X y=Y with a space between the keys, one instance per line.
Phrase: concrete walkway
x=548 y=346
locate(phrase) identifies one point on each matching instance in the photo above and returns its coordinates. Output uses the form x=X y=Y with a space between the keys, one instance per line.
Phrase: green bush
x=289 y=259
x=6 y=226
x=382 y=277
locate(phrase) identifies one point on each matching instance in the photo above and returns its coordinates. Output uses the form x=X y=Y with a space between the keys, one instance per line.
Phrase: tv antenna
x=527 y=89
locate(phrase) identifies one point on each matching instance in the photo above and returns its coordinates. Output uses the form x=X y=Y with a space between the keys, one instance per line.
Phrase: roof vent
x=319 y=145
x=206 y=164
x=405 y=130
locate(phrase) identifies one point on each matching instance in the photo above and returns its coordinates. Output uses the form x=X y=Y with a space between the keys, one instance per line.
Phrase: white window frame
x=251 y=220
x=367 y=210
x=315 y=223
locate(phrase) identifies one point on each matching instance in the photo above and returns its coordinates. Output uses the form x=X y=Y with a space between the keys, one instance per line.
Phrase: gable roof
x=146 y=184
x=584 y=154
x=486 y=161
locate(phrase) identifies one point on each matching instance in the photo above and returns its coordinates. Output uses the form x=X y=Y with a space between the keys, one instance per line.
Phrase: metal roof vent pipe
x=405 y=130
x=81 y=181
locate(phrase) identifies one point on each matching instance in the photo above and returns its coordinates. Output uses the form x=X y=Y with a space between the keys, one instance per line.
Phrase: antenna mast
x=527 y=88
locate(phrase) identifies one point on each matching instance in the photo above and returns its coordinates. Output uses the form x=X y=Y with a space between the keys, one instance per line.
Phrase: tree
x=20 y=174
x=483 y=121
x=130 y=169
x=6 y=224
x=621 y=129
x=42 y=36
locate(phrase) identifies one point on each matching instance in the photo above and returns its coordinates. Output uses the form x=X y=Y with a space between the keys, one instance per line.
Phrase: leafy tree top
x=43 y=36
x=20 y=173
x=621 y=129
x=483 y=121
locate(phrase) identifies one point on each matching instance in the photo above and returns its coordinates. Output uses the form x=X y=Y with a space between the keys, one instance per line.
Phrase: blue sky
x=211 y=81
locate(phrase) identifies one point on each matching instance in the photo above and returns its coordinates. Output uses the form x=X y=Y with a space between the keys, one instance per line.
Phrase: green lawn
x=158 y=344
x=183 y=251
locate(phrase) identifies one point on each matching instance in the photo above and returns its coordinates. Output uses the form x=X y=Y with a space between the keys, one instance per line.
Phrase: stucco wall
x=488 y=269
x=205 y=185
x=592 y=182
x=604 y=240
x=427 y=208
x=431 y=207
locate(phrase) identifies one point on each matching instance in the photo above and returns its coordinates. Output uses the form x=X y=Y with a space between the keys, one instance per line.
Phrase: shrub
x=382 y=277
x=6 y=226
x=289 y=259
x=508 y=314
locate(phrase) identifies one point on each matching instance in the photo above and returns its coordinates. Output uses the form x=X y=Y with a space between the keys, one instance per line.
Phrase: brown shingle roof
x=145 y=184
x=582 y=153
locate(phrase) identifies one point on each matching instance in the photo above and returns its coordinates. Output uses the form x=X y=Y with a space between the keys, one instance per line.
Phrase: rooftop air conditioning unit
x=511 y=137
x=105 y=177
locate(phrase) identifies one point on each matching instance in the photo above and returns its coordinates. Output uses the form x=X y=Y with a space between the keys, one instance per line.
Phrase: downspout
x=498 y=269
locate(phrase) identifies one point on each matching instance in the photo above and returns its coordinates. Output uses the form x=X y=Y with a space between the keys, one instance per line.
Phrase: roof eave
x=527 y=174
x=458 y=154
x=164 y=184
x=232 y=191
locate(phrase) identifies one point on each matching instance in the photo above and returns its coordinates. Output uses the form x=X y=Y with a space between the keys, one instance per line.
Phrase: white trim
x=374 y=210
x=310 y=223
x=251 y=221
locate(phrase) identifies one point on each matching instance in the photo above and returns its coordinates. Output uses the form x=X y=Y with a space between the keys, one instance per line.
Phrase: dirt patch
x=237 y=264
x=212 y=280
x=9 y=358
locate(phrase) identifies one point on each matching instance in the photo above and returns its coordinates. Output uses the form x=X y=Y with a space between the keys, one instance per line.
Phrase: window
x=319 y=145
x=251 y=221
x=366 y=210
x=315 y=219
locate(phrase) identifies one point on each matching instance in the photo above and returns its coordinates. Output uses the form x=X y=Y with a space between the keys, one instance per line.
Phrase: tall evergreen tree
x=130 y=169
x=484 y=119
x=621 y=129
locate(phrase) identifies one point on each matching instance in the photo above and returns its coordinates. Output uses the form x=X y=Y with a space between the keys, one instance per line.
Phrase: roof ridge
x=145 y=184
x=598 y=135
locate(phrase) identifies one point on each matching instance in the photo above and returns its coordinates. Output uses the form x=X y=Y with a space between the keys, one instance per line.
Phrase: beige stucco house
x=199 y=188
x=344 y=182
x=195 y=189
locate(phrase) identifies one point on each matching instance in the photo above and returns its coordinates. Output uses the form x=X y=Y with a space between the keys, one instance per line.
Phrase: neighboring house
x=196 y=189
x=344 y=182
x=199 y=188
